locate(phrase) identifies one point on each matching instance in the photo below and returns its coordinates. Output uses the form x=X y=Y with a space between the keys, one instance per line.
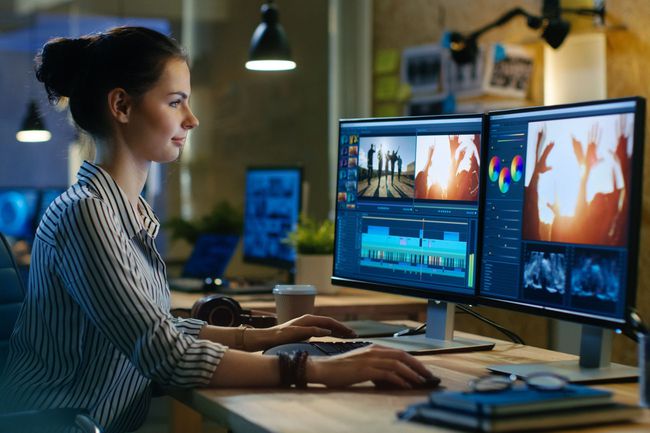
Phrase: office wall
x=255 y=118
x=399 y=24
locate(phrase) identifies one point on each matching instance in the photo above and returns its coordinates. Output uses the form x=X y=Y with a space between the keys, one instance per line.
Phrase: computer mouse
x=430 y=383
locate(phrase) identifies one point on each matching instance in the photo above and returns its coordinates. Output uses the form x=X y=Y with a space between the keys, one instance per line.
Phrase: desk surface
x=365 y=409
x=348 y=304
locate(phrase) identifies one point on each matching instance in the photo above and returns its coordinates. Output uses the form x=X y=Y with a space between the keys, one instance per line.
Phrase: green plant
x=312 y=237
x=223 y=219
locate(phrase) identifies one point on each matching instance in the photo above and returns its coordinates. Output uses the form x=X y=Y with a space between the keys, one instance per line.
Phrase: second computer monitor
x=561 y=214
x=272 y=209
x=407 y=205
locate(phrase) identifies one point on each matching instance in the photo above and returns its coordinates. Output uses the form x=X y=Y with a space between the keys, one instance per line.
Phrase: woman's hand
x=299 y=329
x=381 y=365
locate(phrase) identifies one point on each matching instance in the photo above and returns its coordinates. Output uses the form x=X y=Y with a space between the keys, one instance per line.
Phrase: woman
x=95 y=330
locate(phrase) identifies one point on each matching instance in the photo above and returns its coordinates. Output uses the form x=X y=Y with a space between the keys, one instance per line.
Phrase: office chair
x=12 y=293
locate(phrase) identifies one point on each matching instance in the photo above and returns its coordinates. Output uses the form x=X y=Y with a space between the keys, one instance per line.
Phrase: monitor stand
x=438 y=337
x=594 y=364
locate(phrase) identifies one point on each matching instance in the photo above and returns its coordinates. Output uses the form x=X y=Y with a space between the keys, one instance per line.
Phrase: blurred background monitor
x=272 y=208
x=560 y=211
x=18 y=211
x=47 y=196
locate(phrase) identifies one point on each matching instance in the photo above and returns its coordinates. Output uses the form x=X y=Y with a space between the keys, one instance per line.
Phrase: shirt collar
x=105 y=186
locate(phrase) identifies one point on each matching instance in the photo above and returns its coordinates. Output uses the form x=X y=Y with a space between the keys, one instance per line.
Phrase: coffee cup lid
x=294 y=289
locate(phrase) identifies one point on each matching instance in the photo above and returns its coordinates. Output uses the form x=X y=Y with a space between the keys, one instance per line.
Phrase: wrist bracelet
x=284 y=364
x=239 y=337
x=293 y=369
x=301 y=369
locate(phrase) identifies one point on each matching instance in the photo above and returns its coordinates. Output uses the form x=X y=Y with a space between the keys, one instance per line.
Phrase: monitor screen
x=272 y=208
x=47 y=197
x=561 y=210
x=18 y=207
x=407 y=205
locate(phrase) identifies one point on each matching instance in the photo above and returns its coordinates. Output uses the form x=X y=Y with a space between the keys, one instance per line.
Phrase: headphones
x=221 y=310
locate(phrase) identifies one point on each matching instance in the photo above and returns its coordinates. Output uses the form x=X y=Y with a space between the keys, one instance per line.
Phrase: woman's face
x=161 y=119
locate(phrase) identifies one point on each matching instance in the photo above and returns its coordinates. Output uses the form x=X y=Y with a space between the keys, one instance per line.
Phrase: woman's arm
x=299 y=329
x=381 y=365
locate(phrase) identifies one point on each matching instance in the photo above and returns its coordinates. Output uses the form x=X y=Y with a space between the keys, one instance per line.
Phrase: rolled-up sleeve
x=99 y=266
x=189 y=326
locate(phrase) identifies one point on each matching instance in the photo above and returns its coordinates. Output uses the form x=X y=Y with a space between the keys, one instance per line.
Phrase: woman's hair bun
x=59 y=65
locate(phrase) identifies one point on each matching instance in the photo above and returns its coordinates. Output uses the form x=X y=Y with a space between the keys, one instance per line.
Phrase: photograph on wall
x=544 y=274
x=423 y=69
x=596 y=277
x=577 y=180
x=386 y=167
x=466 y=80
x=447 y=167
x=508 y=70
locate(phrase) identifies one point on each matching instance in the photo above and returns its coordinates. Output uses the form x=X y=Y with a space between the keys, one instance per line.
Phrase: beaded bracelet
x=293 y=369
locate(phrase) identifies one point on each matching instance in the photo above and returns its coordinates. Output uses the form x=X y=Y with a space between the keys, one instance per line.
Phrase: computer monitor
x=272 y=208
x=18 y=207
x=407 y=216
x=47 y=196
x=560 y=211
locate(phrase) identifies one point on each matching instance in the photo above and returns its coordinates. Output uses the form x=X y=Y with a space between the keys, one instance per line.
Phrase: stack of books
x=521 y=408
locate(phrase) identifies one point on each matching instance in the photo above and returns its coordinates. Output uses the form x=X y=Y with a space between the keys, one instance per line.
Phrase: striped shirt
x=95 y=329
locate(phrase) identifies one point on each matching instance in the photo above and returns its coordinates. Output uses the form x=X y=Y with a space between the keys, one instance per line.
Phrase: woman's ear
x=119 y=104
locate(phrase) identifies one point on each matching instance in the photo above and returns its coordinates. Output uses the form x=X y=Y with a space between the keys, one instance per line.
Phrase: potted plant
x=314 y=244
x=214 y=238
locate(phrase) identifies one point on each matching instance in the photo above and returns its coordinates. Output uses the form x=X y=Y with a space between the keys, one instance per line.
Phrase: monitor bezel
x=437 y=295
x=634 y=224
x=275 y=263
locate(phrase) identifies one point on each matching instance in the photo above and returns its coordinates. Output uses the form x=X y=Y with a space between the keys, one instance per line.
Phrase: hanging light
x=33 y=128
x=269 y=49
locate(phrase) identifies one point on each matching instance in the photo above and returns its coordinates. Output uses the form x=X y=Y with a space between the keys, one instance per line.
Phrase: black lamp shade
x=33 y=128
x=269 y=48
x=556 y=31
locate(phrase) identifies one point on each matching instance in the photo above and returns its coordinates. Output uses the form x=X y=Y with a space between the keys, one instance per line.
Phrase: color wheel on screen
x=493 y=168
x=504 y=180
x=517 y=168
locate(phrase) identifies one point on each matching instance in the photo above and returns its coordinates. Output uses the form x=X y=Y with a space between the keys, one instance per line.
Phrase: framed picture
x=508 y=70
x=423 y=69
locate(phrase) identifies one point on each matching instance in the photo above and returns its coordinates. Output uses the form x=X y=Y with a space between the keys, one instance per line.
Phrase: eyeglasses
x=541 y=381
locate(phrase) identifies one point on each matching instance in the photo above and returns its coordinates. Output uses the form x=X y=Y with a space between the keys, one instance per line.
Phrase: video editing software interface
x=272 y=208
x=407 y=203
x=557 y=208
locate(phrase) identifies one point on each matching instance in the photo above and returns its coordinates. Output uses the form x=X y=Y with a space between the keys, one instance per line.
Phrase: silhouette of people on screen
x=460 y=176
x=380 y=160
x=598 y=215
x=371 y=153
x=399 y=168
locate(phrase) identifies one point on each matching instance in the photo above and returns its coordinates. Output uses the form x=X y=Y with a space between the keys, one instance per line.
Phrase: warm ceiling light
x=269 y=49
x=33 y=128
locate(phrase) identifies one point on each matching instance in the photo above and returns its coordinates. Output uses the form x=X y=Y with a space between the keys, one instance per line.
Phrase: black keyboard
x=318 y=348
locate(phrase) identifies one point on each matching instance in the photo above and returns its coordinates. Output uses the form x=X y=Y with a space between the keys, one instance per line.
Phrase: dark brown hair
x=87 y=68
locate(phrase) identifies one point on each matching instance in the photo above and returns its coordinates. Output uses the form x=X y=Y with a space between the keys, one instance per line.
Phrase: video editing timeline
x=429 y=250
x=556 y=210
x=407 y=202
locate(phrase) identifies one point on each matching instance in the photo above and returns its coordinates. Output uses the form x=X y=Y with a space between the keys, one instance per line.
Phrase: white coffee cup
x=293 y=300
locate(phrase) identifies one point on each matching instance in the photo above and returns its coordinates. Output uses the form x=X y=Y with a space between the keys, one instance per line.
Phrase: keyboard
x=318 y=348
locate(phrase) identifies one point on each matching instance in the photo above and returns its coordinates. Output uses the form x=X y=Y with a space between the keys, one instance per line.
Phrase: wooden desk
x=348 y=304
x=365 y=409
